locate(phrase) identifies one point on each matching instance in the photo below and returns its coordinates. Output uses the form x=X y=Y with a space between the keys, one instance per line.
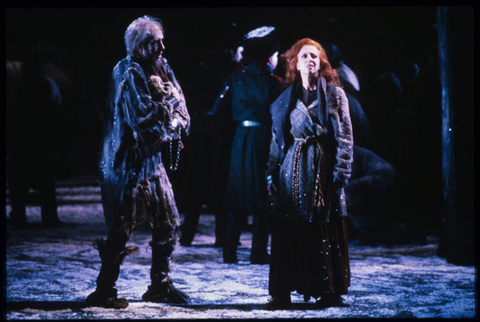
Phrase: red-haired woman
x=309 y=165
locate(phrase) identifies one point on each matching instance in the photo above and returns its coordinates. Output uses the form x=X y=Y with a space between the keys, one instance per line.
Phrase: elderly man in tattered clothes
x=145 y=110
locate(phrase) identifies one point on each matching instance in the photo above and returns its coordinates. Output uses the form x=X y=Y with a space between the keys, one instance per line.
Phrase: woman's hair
x=291 y=58
x=139 y=33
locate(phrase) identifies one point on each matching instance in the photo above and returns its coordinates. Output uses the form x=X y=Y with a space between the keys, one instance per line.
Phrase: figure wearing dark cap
x=246 y=98
x=207 y=166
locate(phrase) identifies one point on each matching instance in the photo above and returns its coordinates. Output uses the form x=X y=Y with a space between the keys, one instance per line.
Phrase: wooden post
x=455 y=47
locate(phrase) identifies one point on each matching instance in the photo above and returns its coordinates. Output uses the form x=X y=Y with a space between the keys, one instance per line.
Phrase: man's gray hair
x=139 y=33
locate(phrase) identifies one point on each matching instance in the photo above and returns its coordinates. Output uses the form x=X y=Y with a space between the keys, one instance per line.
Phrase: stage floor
x=50 y=271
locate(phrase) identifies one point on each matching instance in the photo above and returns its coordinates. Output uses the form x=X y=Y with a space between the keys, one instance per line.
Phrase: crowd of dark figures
x=55 y=119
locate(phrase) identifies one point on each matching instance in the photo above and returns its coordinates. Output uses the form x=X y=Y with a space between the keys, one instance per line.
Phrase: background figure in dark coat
x=362 y=131
x=308 y=167
x=377 y=210
x=246 y=98
x=369 y=193
x=37 y=133
x=207 y=148
x=406 y=122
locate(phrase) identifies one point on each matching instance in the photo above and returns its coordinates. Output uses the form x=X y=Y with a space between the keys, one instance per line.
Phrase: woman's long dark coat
x=309 y=252
x=335 y=118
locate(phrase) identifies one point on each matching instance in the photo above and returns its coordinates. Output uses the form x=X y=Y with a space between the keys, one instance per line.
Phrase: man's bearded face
x=154 y=48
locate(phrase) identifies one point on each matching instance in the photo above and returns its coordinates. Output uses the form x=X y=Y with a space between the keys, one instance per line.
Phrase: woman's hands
x=272 y=189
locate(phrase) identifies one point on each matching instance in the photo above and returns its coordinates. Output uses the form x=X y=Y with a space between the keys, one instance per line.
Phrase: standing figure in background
x=362 y=130
x=145 y=109
x=37 y=137
x=309 y=165
x=207 y=166
x=245 y=98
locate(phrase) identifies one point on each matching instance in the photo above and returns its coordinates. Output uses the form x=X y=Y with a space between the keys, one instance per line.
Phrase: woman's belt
x=318 y=199
x=322 y=139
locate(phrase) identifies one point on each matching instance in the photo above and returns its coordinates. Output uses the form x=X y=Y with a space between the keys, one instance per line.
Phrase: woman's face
x=308 y=61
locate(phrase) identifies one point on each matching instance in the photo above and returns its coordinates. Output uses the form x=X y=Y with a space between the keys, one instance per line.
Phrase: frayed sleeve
x=273 y=163
x=342 y=125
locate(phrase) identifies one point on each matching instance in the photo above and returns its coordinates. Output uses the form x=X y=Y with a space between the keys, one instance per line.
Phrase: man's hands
x=175 y=93
x=160 y=141
x=165 y=89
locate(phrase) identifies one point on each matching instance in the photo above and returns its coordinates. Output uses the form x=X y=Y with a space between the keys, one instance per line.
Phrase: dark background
x=373 y=40
x=91 y=42
x=93 y=37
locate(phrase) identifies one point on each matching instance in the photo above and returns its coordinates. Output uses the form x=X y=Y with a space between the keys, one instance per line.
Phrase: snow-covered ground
x=49 y=272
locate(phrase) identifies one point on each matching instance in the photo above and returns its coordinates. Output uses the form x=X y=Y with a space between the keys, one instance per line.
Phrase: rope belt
x=318 y=200
x=248 y=123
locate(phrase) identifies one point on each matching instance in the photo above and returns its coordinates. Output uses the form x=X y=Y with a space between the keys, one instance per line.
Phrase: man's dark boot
x=17 y=218
x=189 y=228
x=279 y=302
x=112 y=252
x=259 y=254
x=18 y=201
x=48 y=202
x=220 y=228
x=161 y=289
x=331 y=300
x=232 y=237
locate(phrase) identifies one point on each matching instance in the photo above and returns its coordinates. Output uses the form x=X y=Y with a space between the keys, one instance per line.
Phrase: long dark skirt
x=246 y=188
x=310 y=258
x=208 y=161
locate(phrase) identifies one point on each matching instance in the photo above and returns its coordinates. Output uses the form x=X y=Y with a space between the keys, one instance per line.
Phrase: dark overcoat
x=246 y=96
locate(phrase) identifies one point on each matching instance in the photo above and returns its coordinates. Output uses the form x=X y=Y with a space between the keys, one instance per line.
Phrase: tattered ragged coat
x=134 y=124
